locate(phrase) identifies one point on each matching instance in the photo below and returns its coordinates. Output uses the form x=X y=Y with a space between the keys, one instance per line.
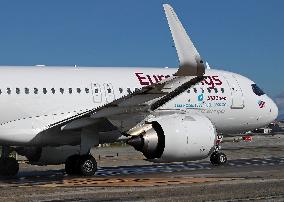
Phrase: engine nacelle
x=47 y=155
x=173 y=138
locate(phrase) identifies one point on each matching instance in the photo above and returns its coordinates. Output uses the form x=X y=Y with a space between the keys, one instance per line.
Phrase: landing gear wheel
x=85 y=165
x=72 y=165
x=9 y=167
x=218 y=158
x=88 y=165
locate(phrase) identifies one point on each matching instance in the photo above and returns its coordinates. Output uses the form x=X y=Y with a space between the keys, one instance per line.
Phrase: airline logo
x=146 y=79
x=212 y=81
x=261 y=104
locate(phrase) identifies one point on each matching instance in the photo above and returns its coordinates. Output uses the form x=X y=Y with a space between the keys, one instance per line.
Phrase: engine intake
x=150 y=142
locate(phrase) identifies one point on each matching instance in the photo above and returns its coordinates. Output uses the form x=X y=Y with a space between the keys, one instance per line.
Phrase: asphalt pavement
x=254 y=172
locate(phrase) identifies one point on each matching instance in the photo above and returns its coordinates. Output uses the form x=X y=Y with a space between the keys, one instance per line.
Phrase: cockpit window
x=257 y=90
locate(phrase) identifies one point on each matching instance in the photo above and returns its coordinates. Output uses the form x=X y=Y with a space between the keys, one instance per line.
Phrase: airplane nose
x=274 y=110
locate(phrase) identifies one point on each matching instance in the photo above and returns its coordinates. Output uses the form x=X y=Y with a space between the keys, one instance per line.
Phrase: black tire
x=222 y=158
x=88 y=165
x=218 y=158
x=9 y=167
x=72 y=165
x=213 y=158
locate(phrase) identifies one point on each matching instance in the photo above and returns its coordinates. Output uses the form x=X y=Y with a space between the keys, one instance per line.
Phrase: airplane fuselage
x=32 y=98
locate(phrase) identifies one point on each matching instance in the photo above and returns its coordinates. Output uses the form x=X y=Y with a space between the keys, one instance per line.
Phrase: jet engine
x=174 y=138
x=47 y=155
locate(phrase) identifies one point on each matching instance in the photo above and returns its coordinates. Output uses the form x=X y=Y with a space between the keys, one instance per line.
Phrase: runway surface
x=59 y=178
x=254 y=172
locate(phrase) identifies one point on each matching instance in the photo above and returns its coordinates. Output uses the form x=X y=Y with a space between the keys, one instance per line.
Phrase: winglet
x=191 y=63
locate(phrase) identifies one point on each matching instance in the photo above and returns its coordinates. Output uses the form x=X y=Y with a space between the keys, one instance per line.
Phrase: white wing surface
x=191 y=63
x=134 y=106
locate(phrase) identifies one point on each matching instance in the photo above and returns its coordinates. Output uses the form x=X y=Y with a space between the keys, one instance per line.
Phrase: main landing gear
x=217 y=157
x=85 y=165
x=8 y=166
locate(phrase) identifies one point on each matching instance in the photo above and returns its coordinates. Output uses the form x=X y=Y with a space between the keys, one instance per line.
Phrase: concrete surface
x=255 y=172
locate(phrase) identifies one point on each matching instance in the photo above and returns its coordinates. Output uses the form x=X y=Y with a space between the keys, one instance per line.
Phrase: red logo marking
x=212 y=81
x=145 y=79
x=261 y=104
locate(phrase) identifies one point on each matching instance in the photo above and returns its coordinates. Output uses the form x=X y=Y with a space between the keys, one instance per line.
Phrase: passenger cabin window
x=27 y=91
x=44 y=90
x=108 y=90
x=87 y=90
x=209 y=90
x=195 y=90
x=17 y=90
x=222 y=90
x=61 y=90
x=70 y=90
x=78 y=90
x=35 y=90
x=120 y=90
x=257 y=90
x=9 y=91
x=53 y=91
x=216 y=90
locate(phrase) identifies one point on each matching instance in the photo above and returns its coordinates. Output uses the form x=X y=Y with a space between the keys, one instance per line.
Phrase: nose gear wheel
x=218 y=158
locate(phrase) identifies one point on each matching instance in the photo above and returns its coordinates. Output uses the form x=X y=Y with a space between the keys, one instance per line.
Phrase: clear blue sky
x=240 y=36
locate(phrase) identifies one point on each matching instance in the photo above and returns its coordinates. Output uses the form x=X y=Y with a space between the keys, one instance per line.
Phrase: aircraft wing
x=141 y=103
x=189 y=58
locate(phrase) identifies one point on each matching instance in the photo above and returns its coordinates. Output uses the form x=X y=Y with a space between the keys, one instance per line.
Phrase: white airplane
x=55 y=115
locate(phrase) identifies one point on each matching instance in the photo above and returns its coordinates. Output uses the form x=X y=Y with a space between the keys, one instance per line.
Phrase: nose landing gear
x=8 y=166
x=217 y=157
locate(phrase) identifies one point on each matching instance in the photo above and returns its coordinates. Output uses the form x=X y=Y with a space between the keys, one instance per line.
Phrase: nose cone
x=273 y=110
